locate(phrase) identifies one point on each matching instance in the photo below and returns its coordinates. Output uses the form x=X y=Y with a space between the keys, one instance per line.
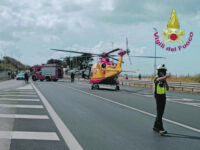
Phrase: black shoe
x=163 y=132
x=156 y=129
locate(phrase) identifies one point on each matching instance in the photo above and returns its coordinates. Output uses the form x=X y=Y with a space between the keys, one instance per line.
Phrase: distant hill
x=9 y=63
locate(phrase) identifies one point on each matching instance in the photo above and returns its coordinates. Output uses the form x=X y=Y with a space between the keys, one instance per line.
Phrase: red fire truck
x=46 y=72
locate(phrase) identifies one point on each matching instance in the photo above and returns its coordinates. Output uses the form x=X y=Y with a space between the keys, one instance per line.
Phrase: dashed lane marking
x=50 y=136
x=22 y=116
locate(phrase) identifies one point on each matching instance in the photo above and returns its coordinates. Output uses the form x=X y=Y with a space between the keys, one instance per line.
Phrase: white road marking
x=18 y=91
x=135 y=109
x=180 y=99
x=148 y=96
x=15 y=99
x=184 y=101
x=22 y=116
x=69 y=139
x=193 y=104
x=1 y=95
x=21 y=106
x=143 y=95
x=25 y=87
x=50 y=136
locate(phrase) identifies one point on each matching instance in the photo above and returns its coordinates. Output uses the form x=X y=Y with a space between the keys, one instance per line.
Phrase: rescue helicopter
x=105 y=71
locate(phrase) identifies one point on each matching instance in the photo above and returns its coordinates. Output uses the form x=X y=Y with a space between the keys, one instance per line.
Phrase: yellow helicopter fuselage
x=104 y=70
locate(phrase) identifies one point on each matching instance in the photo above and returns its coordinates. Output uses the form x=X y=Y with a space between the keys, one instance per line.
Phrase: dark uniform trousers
x=160 y=108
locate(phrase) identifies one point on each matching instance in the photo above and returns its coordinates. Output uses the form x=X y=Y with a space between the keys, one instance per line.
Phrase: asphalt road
x=98 y=119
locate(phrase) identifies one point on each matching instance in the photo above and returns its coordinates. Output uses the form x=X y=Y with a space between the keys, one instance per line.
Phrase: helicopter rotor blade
x=115 y=59
x=129 y=59
x=148 y=57
x=128 y=54
x=114 y=55
x=70 y=51
x=100 y=55
x=112 y=51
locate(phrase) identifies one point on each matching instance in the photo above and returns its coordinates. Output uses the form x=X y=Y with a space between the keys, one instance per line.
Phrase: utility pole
x=155 y=54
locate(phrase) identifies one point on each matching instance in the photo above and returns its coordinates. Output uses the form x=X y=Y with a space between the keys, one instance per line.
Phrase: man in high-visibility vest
x=160 y=87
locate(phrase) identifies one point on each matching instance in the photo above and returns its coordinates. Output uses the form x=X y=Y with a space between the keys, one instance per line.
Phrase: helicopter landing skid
x=96 y=87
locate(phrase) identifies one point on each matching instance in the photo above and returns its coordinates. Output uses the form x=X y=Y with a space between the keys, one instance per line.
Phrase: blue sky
x=30 y=28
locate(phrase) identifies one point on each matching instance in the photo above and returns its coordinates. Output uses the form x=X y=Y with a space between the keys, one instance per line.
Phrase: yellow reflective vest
x=160 y=87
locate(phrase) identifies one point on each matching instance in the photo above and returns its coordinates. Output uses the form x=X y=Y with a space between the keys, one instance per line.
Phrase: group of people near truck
x=11 y=75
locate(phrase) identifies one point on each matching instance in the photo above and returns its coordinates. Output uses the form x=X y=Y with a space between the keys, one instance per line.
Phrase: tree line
x=80 y=62
x=11 y=64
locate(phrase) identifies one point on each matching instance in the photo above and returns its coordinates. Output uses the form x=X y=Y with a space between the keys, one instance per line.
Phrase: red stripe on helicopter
x=97 y=80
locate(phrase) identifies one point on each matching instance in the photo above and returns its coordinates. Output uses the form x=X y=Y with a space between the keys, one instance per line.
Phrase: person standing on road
x=140 y=76
x=72 y=77
x=160 y=89
x=9 y=73
x=26 y=77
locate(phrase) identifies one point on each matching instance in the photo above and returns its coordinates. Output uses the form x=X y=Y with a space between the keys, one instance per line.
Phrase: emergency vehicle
x=46 y=72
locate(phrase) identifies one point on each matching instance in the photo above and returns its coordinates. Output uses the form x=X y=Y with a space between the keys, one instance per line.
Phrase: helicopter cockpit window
x=103 y=65
x=114 y=65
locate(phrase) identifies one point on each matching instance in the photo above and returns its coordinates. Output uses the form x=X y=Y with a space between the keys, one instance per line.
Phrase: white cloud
x=9 y=48
x=48 y=21
x=139 y=51
x=82 y=2
x=50 y=38
x=107 y=5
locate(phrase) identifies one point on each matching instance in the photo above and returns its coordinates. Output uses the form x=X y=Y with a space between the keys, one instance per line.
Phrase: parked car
x=20 y=76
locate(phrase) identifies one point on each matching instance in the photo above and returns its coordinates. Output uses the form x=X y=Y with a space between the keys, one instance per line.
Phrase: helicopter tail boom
x=119 y=64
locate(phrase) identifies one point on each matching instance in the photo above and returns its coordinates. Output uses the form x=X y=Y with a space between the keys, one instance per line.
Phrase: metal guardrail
x=176 y=86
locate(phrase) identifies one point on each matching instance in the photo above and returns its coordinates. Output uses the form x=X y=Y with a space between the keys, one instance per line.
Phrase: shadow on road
x=175 y=135
x=106 y=89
